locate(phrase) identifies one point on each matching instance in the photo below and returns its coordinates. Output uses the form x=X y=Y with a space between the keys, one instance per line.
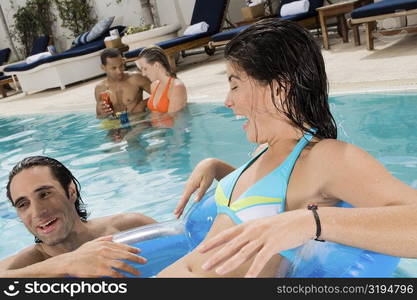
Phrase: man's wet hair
x=59 y=172
x=109 y=53
x=283 y=51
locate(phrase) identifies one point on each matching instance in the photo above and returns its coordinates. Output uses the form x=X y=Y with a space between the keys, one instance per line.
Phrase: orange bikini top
x=163 y=103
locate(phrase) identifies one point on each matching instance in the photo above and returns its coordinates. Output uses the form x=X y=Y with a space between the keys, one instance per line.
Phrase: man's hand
x=105 y=109
x=100 y=257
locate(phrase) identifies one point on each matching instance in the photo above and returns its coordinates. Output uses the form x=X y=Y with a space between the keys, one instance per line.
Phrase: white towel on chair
x=296 y=7
x=36 y=57
x=196 y=28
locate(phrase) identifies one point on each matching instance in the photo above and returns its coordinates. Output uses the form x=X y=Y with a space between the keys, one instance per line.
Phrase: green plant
x=149 y=8
x=31 y=21
x=131 y=29
x=76 y=15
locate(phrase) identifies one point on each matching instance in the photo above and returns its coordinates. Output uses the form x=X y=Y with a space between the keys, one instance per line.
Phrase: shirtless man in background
x=125 y=88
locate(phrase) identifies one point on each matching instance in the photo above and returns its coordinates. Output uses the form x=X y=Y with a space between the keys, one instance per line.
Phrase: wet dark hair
x=280 y=50
x=154 y=54
x=60 y=173
x=109 y=53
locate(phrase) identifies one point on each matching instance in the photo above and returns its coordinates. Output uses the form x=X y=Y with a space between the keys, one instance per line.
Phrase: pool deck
x=391 y=67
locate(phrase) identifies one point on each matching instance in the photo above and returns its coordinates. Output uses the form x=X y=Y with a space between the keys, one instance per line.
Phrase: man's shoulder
x=101 y=85
x=25 y=257
x=134 y=75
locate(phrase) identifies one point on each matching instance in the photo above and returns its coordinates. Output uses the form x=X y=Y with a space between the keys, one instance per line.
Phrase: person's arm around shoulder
x=178 y=97
x=143 y=82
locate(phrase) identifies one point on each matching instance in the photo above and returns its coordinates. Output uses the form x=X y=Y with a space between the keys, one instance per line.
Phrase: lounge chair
x=308 y=20
x=212 y=12
x=75 y=64
x=371 y=13
x=40 y=45
x=4 y=80
x=4 y=55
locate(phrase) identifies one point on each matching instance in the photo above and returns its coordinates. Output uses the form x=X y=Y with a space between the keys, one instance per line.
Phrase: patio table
x=339 y=10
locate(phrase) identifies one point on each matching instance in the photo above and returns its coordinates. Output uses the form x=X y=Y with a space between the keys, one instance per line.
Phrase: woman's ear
x=279 y=90
x=276 y=88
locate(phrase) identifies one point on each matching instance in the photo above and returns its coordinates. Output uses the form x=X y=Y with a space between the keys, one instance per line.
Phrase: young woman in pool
x=168 y=93
x=278 y=82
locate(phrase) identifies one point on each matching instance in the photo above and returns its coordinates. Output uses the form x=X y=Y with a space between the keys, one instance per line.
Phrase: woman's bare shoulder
x=331 y=149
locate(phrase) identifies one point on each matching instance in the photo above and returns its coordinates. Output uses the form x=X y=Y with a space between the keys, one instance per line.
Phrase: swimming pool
x=145 y=171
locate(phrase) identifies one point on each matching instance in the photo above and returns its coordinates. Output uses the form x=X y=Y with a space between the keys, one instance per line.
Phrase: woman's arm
x=201 y=179
x=177 y=97
x=384 y=217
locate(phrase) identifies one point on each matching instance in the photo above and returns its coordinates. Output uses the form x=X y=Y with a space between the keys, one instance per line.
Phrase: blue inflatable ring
x=164 y=243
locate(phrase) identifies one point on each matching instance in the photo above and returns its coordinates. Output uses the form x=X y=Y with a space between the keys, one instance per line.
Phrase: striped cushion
x=101 y=27
x=81 y=39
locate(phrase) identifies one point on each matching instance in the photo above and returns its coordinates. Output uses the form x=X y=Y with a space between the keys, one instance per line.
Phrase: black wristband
x=313 y=208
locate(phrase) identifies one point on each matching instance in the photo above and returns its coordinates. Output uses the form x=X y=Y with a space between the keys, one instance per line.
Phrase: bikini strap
x=289 y=163
x=166 y=90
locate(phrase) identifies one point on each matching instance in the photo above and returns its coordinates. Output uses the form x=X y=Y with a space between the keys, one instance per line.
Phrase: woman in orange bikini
x=168 y=93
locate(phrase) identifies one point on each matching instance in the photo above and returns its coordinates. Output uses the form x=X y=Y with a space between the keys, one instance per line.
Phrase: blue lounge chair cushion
x=168 y=43
x=40 y=45
x=211 y=12
x=181 y=40
x=133 y=53
x=73 y=52
x=4 y=55
x=382 y=8
x=297 y=17
x=228 y=34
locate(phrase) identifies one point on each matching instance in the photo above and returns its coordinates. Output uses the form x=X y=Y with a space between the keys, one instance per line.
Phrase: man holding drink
x=121 y=91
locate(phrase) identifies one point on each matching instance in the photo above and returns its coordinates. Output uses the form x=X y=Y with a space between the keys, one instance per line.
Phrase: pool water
x=145 y=169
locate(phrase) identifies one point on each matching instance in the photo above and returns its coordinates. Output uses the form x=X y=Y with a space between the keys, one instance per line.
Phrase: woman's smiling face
x=253 y=101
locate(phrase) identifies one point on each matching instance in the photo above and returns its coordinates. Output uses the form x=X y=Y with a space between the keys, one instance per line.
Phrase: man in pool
x=125 y=89
x=47 y=199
